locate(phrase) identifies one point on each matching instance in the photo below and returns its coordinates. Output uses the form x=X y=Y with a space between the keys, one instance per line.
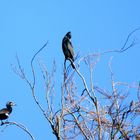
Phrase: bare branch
x=124 y=48
x=33 y=72
x=21 y=126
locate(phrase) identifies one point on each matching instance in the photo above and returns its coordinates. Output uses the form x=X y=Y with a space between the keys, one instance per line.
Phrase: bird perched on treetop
x=5 y=112
x=68 y=48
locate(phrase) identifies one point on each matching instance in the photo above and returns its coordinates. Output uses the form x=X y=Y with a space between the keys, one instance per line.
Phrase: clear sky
x=96 y=26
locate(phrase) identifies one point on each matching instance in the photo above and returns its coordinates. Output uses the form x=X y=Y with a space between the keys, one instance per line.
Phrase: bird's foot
x=2 y=123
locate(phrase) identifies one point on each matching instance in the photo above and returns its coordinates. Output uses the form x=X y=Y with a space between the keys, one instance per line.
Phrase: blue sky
x=96 y=26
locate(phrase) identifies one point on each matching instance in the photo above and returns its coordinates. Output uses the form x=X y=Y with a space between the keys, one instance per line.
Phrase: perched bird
x=5 y=112
x=68 y=48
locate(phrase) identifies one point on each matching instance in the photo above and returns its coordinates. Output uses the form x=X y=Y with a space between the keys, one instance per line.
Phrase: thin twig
x=78 y=124
x=124 y=48
x=138 y=91
x=32 y=60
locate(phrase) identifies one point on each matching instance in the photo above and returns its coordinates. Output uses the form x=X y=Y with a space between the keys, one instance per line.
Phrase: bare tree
x=87 y=112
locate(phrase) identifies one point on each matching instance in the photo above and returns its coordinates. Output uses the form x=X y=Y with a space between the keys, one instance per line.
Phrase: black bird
x=68 y=48
x=5 y=112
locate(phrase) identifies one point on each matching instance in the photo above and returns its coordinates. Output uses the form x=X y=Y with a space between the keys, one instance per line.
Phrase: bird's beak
x=14 y=104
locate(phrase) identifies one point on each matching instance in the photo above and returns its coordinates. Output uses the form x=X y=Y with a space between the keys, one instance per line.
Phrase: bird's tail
x=72 y=64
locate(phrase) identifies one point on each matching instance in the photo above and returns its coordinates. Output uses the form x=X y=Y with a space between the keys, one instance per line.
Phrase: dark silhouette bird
x=68 y=49
x=5 y=112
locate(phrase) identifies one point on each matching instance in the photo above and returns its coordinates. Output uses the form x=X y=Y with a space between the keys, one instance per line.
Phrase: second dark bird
x=5 y=112
x=68 y=48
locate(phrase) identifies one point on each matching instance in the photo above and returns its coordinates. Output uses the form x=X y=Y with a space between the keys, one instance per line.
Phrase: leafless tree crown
x=87 y=111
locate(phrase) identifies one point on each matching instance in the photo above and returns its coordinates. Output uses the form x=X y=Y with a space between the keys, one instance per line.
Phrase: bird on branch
x=5 y=112
x=68 y=49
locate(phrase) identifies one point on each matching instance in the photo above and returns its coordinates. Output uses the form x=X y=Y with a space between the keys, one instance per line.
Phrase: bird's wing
x=4 y=110
x=70 y=48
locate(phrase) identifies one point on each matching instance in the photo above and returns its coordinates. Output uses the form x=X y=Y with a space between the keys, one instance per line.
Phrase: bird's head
x=68 y=35
x=10 y=104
